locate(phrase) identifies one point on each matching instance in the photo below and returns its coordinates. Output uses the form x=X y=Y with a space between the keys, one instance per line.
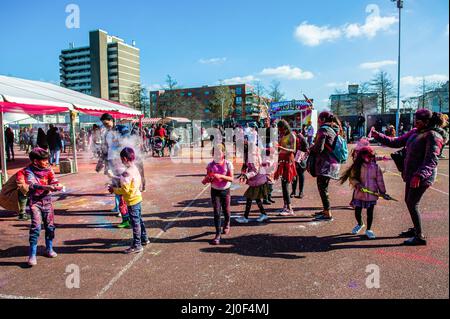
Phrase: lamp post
x=397 y=114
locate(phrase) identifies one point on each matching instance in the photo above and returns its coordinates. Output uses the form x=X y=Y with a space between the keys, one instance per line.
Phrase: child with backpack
x=219 y=173
x=364 y=175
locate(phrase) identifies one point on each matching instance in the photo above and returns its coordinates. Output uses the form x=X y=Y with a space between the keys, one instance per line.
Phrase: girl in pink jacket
x=364 y=173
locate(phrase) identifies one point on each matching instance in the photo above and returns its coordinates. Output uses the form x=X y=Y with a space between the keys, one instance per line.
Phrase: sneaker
x=32 y=261
x=415 y=241
x=124 y=225
x=287 y=212
x=357 y=229
x=51 y=254
x=292 y=195
x=272 y=201
x=318 y=214
x=408 y=233
x=262 y=218
x=145 y=242
x=266 y=202
x=300 y=196
x=215 y=241
x=24 y=217
x=323 y=218
x=370 y=234
x=283 y=210
x=242 y=220
x=134 y=250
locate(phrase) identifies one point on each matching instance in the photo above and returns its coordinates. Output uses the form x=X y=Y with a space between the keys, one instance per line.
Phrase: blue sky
x=311 y=47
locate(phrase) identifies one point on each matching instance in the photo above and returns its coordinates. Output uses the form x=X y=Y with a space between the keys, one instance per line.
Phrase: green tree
x=139 y=98
x=221 y=104
x=275 y=91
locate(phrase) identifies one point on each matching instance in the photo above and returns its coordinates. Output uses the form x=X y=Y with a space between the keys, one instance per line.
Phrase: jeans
x=41 y=211
x=322 y=185
x=300 y=179
x=412 y=199
x=9 y=150
x=284 y=187
x=137 y=224
x=54 y=156
x=221 y=200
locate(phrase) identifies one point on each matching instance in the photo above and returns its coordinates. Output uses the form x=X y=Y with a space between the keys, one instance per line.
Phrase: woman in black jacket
x=42 y=139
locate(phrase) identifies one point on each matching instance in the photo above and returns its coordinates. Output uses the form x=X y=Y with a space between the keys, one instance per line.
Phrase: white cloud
x=287 y=72
x=313 y=35
x=417 y=80
x=374 y=23
x=240 y=80
x=377 y=64
x=213 y=61
x=337 y=84
x=154 y=87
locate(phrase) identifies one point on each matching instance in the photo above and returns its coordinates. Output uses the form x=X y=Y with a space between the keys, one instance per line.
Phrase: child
x=364 y=173
x=41 y=181
x=129 y=187
x=220 y=175
x=256 y=177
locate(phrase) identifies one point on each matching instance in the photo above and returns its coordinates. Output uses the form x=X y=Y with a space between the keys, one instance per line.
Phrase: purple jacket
x=422 y=151
x=256 y=175
x=326 y=164
x=372 y=179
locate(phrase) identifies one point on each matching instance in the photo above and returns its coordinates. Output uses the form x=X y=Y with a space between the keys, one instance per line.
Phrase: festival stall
x=297 y=112
x=41 y=98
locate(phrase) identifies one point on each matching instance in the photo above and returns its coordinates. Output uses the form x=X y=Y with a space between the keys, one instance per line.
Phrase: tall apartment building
x=353 y=102
x=247 y=105
x=107 y=68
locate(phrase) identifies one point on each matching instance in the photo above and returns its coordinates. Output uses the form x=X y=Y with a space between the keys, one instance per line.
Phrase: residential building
x=354 y=102
x=108 y=68
x=247 y=105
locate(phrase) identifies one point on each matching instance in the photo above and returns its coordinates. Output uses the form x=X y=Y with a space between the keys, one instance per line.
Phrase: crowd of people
x=266 y=160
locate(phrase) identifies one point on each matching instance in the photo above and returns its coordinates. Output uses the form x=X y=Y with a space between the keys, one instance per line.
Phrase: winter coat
x=325 y=163
x=372 y=179
x=422 y=151
x=54 y=140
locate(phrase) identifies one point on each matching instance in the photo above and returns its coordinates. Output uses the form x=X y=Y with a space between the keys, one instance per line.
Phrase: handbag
x=399 y=159
x=311 y=165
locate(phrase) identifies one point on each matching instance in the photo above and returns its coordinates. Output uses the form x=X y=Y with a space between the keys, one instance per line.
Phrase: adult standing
x=42 y=139
x=54 y=145
x=310 y=133
x=327 y=166
x=33 y=138
x=9 y=143
x=110 y=159
x=286 y=164
x=361 y=125
x=300 y=165
x=422 y=146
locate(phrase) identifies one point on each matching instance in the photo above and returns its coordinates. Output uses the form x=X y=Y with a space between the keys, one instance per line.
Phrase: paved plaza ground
x=286 y=257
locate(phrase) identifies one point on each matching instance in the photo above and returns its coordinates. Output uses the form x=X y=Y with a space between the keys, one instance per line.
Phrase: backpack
x=339 y=150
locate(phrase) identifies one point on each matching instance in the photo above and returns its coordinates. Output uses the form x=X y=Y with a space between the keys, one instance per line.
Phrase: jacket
x=372 y=179
x=130 y=185
x=422 y=151
x=325 y=163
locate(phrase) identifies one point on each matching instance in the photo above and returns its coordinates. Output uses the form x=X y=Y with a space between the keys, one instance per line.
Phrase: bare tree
x=275 y=91
x=362 y=99
x=384 y=87
x=139 y=98
x=171 y=83
x=221 y=105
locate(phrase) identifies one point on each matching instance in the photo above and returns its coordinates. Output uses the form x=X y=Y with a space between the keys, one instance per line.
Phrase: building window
x=189 y=94
x=182 y=94
x=238 y=100
x=206 y=92
x=238 y=91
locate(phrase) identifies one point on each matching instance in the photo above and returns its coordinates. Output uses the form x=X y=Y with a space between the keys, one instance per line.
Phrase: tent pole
x=73 y=117
x=4 y=176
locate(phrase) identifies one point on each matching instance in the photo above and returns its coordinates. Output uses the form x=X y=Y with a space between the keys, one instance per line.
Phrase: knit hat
x=424 y=114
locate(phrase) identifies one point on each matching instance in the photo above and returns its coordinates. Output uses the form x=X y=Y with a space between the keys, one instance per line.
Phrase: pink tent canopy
x=32 y=109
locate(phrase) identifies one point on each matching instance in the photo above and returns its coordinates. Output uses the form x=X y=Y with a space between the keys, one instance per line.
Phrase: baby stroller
x=157 y=146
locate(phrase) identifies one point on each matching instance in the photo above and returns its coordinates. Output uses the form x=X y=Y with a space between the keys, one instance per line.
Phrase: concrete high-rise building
x=354 y=102
x=108 y=68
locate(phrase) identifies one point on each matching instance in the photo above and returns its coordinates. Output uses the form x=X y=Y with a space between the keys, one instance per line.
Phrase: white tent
x=34 y=97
